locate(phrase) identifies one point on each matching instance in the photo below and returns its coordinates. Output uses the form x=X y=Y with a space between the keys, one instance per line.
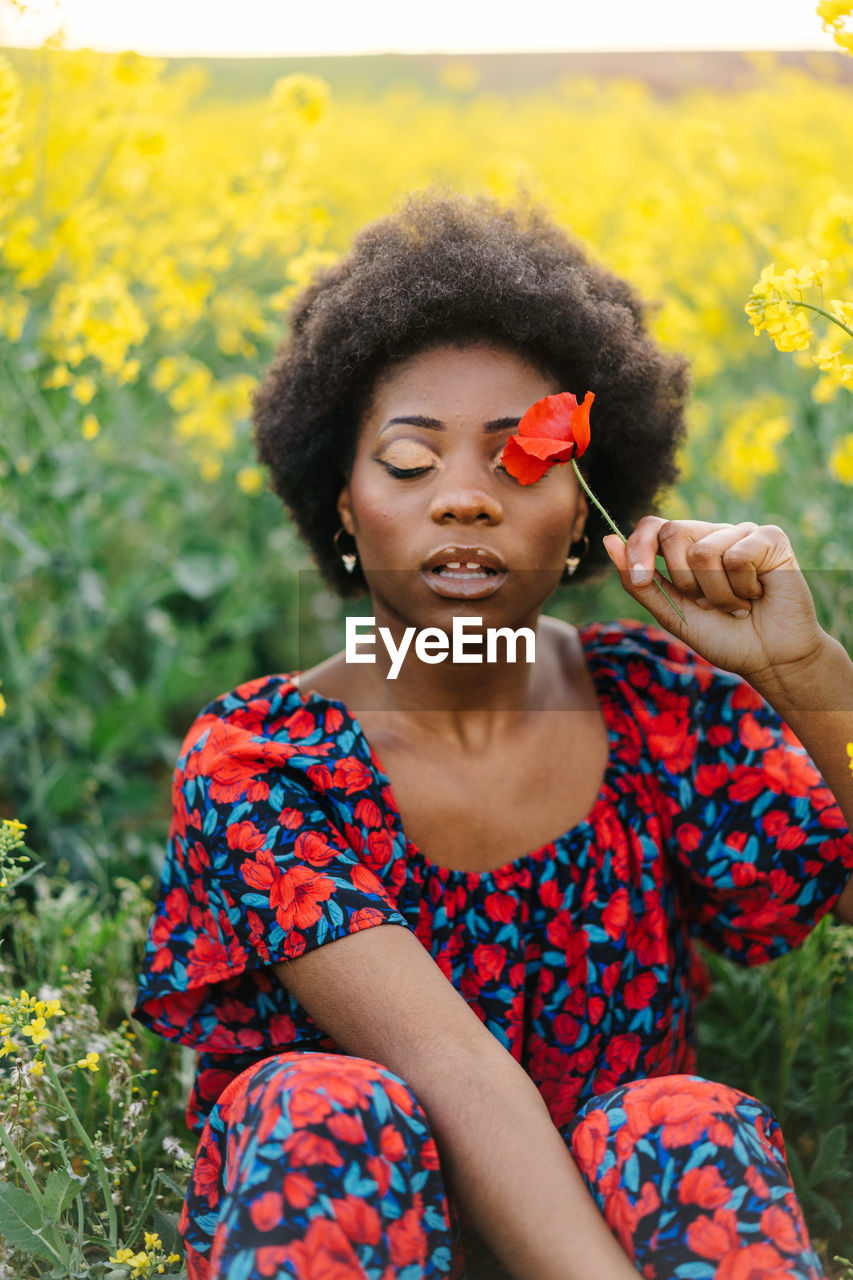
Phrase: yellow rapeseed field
x=149 y=239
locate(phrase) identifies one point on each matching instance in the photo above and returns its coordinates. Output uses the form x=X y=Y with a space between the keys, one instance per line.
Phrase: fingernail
x=740 y=613
x=640 y=574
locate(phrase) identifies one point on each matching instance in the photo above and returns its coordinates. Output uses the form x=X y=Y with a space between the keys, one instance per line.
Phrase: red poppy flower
x=554 y=429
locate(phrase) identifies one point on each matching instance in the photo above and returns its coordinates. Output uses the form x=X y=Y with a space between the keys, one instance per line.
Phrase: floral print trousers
x=321 y=1166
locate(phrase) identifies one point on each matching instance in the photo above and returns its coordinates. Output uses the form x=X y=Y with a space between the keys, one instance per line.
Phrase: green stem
x=93 y=1154
x=826 y=314
x=20 y=1165
x=55 y=1244
x=589 y=493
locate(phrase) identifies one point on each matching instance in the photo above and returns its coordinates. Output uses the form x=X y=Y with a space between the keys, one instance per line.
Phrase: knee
x=678 y=1111
x=309 y=1087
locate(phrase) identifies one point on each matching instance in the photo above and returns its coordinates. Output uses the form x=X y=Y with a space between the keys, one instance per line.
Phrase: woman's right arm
x=381 y=996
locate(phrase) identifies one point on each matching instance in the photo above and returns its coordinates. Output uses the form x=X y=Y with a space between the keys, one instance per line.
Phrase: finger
x=647 y=594
x=713 y=556
x=671 y=539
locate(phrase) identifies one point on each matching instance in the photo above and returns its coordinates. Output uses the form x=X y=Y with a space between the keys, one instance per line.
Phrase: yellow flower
x=174 y=1257
x=59 y=376
x=53 y=1009
x=36 y=1068
x=7 y=1047
x=850 y=762
x=152 y=1240
x=90 y=1062
x=36 y=1030
x=250 y=480
x=91 y=427
x=841 y=459
x=2 y=705
x=84 y=390
x=123 y=1255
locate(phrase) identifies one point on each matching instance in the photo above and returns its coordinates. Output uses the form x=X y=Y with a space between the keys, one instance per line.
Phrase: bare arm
x=381 y=996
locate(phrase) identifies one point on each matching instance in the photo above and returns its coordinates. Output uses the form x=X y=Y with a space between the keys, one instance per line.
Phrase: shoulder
x=265 y=731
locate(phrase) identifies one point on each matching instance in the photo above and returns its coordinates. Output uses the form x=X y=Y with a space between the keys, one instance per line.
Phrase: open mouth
x=469 y=570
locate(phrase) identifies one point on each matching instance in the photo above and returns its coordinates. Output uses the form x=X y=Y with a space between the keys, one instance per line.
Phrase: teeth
x=472 y=564
x=453 y=564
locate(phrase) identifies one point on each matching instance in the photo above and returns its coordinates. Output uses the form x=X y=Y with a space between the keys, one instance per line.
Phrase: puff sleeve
x=275 y=848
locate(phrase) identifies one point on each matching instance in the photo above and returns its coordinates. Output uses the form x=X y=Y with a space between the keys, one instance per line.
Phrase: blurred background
x=159 y=209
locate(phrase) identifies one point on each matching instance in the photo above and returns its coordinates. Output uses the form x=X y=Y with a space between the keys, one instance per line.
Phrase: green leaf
x=830 y=1156
x=23 y=1224
x=60 y=1191
x=166 y=1225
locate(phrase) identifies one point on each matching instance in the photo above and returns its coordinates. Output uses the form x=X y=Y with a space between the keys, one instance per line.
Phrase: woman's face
x=427 y=491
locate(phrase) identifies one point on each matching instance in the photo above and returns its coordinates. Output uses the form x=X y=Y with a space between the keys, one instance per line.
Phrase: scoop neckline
x=533 y=855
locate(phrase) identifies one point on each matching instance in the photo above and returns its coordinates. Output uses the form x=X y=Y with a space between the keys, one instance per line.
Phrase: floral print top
x=711 y=824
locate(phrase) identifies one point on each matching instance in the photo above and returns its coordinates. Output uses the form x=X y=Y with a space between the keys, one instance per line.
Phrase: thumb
x=646 y=593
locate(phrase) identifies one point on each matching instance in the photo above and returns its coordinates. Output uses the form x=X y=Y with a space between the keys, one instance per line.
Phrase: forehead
x=480 y=379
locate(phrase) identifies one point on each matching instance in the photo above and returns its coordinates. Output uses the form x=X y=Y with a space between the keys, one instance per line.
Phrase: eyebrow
x=435 y=424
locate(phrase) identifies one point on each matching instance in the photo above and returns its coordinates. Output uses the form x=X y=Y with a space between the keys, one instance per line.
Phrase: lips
x=462 y=561
x=464 y=572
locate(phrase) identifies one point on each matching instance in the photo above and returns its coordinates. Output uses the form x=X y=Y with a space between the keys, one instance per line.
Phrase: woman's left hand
x=718 y=571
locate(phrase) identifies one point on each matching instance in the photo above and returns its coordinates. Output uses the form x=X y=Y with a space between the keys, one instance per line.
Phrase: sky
x=280 y=27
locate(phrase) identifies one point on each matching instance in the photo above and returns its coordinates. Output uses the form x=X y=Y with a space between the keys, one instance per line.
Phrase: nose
x=466 y=500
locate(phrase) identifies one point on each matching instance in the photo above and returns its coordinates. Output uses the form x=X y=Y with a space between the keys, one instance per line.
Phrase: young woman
x=507 y=1071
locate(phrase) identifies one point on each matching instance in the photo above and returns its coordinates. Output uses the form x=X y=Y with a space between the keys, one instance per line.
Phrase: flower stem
x=826 y=314
x=589 y=493
x=93 y=1154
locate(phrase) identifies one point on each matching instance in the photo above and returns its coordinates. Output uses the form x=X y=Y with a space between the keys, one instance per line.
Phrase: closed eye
x=405 y=472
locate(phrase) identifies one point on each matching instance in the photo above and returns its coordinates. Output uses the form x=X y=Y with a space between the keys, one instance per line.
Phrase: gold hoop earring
x=574 y=557
x=348 y=559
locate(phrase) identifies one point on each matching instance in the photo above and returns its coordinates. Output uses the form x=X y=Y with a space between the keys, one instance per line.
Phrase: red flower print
x=788 y=772
x=753 y=1262
x=352 y=775
x=359 y=1220
x=311 y=847
x=501 y=907
x=623 y=1051
x=301 y=724
x=299 y=1190
x=324 y=1253
x=689 y=837
x=380 y=1171
x=639 y=990
x=210 y=961
x=309 y=1148
x=753 y=735
x=306 y=1106
x=781 y=1229
x=320 y=776
x=368 y=813
x=710 y=777
x=392 y=1143
x=365 y=918
x=615 y=915
x=714 y=1237
x=346 y=1128
x=589 y=1142
x=647 y=936
x=206 y=1172
x=704 y=1187
x=489 y=959
x=407 y=1237
x=380 y=849
x=295 y=894
x=292 y=819
x=267 y=1211
x=554 y=429
x=243 y=835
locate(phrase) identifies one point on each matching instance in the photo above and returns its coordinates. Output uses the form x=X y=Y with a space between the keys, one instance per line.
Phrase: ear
x=344 y=505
